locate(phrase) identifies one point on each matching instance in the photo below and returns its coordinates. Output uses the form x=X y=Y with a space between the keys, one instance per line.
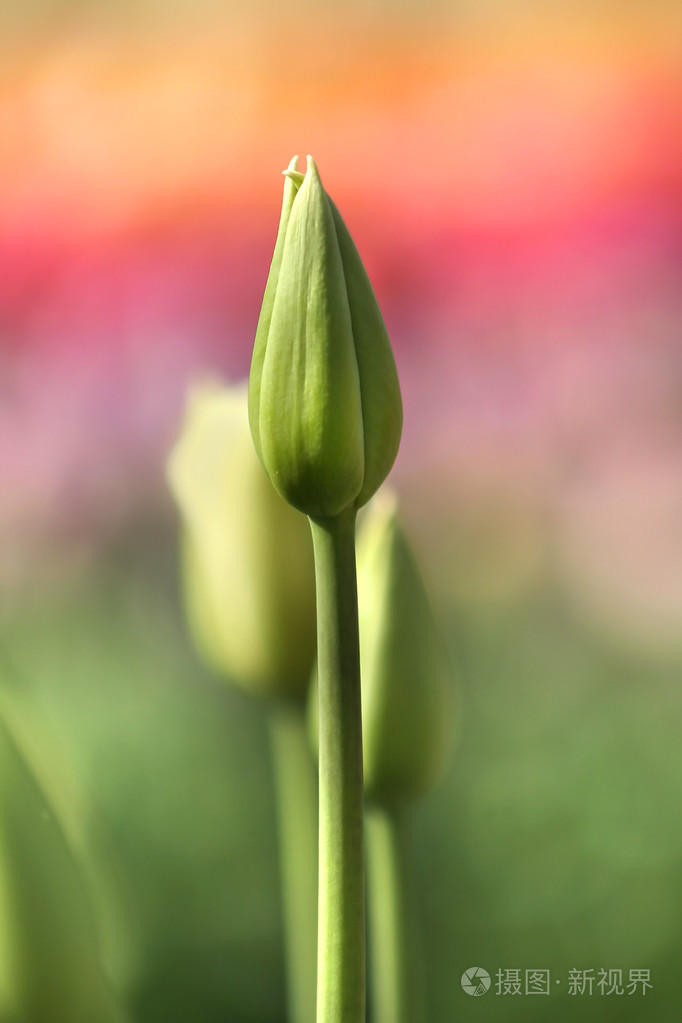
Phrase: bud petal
x=247 y=556
x=382 y=409
x=324 y=399
x=291 y=187
x=406 y=686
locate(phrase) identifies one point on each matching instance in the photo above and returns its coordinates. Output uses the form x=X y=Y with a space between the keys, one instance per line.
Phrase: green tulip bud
x=49 y=967
x=406 y=680
x=324 y=399
x=249 y=583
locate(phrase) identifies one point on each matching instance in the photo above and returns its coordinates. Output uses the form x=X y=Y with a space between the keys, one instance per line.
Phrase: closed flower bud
x=406 y=680
x=247 y=556
x=49 y=969
x=324 y=399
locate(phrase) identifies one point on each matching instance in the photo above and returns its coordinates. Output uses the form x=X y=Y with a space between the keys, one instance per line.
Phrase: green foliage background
x=554 y=842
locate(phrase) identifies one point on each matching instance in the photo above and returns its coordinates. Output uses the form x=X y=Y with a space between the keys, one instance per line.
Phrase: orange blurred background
x=513 y=179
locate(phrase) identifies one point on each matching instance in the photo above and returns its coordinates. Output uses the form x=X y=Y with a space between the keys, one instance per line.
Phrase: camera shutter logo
x=475 y=981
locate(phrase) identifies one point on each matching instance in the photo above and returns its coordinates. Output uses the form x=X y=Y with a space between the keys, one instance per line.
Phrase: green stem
x=392 y=944
x=341 y=905
x=296 y=796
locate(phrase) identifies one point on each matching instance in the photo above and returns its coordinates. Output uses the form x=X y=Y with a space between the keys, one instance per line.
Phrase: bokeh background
x=512 y=175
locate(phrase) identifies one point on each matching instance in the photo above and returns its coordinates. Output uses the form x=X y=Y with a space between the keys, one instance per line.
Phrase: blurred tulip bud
x=324 y=399
x=406 y=680
x=49 y=969
x=249 y=582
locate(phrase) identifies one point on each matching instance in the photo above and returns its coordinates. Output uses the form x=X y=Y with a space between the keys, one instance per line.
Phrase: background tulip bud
x=324 y=399
x=247 y=557
x=406 y=680
x=407 y=704
x=49 y=970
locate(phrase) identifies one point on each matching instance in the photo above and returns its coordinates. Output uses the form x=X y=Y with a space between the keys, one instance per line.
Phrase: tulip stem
x=341 y=899
x=392 y=944
x=296 y=798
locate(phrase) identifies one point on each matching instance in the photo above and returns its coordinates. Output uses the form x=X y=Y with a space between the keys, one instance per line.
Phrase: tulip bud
x=324 y=400
x=49 y=968
x=247 y=556
x=406 y=686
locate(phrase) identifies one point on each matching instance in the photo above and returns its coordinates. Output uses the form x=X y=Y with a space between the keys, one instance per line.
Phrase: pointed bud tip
x=294 y=176
x=293 y=173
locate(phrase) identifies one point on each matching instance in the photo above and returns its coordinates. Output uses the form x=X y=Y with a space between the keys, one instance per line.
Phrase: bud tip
x=293 y=172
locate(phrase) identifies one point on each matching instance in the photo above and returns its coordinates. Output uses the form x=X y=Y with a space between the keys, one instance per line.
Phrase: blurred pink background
x=513 y=181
